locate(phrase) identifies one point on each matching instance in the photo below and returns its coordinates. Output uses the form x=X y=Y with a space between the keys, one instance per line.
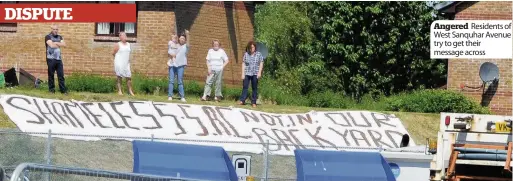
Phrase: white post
x=266 y=171
x=48 y=152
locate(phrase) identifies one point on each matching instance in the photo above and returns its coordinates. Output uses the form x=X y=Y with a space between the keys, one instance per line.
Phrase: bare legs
x=118 y=83
x=128 y=83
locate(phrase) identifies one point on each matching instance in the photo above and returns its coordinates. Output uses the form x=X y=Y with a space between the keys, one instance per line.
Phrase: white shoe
x=183 y=100
x=170 y=98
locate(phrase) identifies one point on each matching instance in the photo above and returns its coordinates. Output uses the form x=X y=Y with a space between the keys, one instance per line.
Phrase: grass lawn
x=419 y=125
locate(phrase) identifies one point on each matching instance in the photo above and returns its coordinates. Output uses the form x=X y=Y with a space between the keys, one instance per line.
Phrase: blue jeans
x=179 y=72
x=254 y=86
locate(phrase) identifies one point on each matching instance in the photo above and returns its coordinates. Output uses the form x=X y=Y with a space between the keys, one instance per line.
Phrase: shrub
x=90 y=83
x=289 y=81
x=140 y=83
x=316 y=76
x=273 y=91
x=434 y=101
x=268 y=89
x=374 y=102
x=194 y=88
x=231 y=94
x=146 y=85
x=283 y=98
x=277 y=93
x=328 y=99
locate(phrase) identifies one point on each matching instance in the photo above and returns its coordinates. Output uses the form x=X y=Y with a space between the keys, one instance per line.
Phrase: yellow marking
x=501 y=127
x=432 y=143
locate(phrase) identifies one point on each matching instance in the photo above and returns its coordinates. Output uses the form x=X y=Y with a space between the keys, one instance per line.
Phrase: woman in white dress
x=121 y=54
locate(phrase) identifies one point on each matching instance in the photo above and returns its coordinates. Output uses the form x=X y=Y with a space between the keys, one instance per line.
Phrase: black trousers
x=254 y=86
x=53 y=66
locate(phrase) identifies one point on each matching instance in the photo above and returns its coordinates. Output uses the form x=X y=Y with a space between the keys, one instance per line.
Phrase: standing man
x=54 y=42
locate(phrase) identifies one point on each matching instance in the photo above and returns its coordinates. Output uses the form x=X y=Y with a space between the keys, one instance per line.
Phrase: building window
x=8 y=27
x=113 y=29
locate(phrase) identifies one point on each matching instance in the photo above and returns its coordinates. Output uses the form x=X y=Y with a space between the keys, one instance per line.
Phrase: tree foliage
x=350 y=47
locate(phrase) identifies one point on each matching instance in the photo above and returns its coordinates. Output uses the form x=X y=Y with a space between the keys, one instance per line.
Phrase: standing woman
x=216 y=61
x=178 y=66
x=121 y=54
x=252 y=65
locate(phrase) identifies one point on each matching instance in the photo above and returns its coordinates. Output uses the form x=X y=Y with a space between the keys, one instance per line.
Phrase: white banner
x=316 y=130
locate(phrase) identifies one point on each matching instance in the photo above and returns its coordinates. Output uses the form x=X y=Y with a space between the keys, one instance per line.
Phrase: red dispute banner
x=11 y=13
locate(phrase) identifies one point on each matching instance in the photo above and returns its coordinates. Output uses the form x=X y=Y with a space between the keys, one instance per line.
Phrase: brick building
x=466 y=71
x=90 y=44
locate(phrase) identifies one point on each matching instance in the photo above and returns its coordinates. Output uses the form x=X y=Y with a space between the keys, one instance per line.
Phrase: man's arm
x=50 y=43
x=61 y=43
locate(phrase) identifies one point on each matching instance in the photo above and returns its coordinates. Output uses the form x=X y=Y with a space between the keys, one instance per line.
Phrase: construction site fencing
x=56 y=159
x=34 y=171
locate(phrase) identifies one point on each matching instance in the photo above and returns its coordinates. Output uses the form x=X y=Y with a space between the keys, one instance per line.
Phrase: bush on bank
x=426 y=101
x=434 y=101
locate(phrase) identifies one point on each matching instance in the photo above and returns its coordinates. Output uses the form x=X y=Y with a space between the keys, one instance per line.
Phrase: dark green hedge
x=427 y=101
x=434 y=101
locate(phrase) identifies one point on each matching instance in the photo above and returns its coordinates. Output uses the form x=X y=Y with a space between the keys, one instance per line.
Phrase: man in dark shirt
x=53 y=43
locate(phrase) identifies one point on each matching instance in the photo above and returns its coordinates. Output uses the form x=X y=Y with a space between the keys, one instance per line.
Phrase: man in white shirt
x=216 y=61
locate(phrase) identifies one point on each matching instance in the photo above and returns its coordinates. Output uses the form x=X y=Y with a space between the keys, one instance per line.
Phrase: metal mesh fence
x=19 y=148
x=113 y=153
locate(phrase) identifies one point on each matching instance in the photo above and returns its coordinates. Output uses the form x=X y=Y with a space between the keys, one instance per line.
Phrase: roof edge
x=448 y=6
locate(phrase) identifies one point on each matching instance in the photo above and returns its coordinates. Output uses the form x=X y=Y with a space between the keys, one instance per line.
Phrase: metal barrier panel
x=33 y=171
